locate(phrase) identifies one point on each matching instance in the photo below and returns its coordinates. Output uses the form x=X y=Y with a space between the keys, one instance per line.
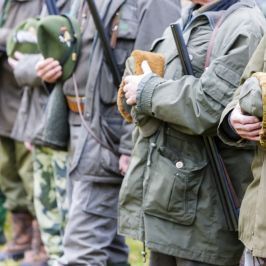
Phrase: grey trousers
x=91 y=232
x=158 y=259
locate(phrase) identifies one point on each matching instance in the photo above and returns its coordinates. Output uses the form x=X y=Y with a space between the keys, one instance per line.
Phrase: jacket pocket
x=173 y=187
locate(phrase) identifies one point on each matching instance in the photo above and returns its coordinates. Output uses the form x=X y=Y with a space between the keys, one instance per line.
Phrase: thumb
x=18 y=55
x=145 y=67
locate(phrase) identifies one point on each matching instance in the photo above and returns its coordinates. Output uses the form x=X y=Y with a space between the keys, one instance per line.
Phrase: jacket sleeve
x=224 y=122
x=256 y=64
x=25 y=73
x=195 y=104
x=250 y=98
x=154 y=17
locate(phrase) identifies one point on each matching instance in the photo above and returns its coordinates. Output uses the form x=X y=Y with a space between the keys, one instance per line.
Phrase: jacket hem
x=201 y=256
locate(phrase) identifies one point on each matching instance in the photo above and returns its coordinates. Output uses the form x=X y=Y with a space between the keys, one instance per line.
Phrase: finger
x=127 y=95
x=44 y=63
x=54 y=78
x=12 y=62
x=248 y=127
x=251 y=134
x=247 y=119
x=131 y=101
x=18 y=55
x=53 y=73
x=146 y=67
x=49 y=67
x=126 y=88
x=129 y=79
x=255 y=138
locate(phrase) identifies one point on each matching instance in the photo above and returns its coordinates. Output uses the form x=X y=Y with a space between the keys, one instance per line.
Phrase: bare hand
x=247 y=127
x=49 y=70
x=28 y=146
x=14 y=61
x=132 y=83
x=124 y=163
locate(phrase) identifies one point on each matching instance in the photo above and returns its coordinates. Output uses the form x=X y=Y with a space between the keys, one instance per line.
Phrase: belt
x=74 y=103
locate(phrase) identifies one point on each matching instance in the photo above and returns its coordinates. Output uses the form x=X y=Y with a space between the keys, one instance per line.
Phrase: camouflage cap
x=23 y=38
x=59 y=37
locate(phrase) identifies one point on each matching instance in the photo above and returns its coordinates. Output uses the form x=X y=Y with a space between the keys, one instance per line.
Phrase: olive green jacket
x=10 y=91
x=252 y=224
x=168 y=198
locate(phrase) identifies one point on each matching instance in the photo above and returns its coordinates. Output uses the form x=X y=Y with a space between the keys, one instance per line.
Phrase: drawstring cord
x=144 y=253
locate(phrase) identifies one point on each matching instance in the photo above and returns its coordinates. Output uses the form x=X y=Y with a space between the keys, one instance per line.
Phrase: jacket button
x=179 y=165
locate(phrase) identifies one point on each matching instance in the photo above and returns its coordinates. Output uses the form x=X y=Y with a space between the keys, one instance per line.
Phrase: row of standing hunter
x=180 y=108
x=168 y=198
x=90 y=237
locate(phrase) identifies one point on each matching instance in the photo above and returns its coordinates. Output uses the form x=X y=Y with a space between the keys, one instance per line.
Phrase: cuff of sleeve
x=229 y=136
x=229 y=130
x=145 y=91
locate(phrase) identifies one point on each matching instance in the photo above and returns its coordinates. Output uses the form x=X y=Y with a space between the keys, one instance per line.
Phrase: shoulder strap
x=220 y=22
x=4 y=12
x=51 y=7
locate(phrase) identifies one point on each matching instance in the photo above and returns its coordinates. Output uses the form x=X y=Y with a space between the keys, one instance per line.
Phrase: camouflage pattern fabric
x=50 y=198
x=2 y=213
x=16 y=175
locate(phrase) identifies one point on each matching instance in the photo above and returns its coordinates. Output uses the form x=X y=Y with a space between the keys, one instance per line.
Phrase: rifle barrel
x=105 y=42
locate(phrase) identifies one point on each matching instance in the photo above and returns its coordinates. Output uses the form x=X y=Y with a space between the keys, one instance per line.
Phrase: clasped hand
x=132 y=83
x=246 y=126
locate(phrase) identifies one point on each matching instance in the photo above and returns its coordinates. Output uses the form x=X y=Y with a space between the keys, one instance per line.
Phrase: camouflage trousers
x=2 y=213
x=50 y=199
x=16 y=175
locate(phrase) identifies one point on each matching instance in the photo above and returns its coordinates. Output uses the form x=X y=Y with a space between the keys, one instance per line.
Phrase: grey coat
x=30 y=120
x=141 y=22
x=10 y=91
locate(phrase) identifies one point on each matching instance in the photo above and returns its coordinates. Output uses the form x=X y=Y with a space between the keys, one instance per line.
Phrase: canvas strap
x=4 y=13
x=218 y=25
x=51 y=7
x=115 y=29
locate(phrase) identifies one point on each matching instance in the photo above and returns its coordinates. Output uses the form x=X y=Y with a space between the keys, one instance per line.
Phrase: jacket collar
x=212 y=16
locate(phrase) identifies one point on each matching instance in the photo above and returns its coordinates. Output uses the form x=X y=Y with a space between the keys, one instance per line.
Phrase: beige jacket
x=252 y=223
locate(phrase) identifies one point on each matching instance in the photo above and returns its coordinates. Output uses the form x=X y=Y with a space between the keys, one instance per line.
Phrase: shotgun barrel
x=222 y=181
x=105 y=43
